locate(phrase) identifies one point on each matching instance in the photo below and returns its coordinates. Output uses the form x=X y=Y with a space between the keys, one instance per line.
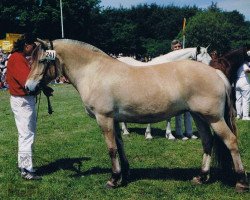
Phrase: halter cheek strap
x=48 y=62
x=198 y=50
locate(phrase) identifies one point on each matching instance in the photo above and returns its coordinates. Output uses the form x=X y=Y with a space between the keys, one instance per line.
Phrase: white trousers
x=187 y=124
x=242 y=97
x=24 y=111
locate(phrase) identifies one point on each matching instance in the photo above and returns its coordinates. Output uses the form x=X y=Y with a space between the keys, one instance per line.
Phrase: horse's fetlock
x=112 y=152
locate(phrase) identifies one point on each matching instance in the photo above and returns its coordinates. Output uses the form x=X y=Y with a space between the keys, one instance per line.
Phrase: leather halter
x=47 y=62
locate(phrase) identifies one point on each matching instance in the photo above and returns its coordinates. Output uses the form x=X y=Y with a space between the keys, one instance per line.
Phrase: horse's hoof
x=196 y=180
x=110 y=185
x=125 y=133
x=242 y=187
x=148 y=137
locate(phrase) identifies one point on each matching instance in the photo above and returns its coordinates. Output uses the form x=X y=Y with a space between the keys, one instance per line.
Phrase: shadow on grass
x=72 y=164
x=147 y=173
x=182 y=174
x=156 y=132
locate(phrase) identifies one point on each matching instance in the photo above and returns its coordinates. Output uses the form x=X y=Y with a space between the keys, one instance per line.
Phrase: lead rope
x=38 y=103
x=50 y=110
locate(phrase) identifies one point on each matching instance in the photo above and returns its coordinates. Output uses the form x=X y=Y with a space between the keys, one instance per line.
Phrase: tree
x=27 y=16
x=209 y=28
x=223 y=31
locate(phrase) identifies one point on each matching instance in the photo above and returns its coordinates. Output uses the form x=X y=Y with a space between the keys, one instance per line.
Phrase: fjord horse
x=113 y=91
x=199 y=54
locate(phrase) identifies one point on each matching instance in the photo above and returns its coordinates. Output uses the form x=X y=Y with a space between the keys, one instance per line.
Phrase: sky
x=243 y=6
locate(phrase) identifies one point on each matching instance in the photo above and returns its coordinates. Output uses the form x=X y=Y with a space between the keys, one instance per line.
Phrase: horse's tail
x=223 y=155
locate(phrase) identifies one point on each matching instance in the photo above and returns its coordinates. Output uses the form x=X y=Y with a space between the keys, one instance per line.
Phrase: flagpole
x=184 y=33
x=61 y=18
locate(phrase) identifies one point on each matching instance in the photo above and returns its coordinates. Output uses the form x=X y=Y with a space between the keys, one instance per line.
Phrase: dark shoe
x=25 y=174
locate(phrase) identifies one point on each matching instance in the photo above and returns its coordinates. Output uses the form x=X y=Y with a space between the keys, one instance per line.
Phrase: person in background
x=176 y=45
x=242 y=88
x=23 y=103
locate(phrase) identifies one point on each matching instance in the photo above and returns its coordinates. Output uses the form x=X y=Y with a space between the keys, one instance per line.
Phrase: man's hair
x=174 y=42
x=26 y=38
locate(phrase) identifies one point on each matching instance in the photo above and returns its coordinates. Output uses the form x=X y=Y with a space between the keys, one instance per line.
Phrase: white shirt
x=241 y=71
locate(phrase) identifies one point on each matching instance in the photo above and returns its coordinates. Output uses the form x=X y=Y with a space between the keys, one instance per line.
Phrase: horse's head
x=44 y=66
x=202 y=55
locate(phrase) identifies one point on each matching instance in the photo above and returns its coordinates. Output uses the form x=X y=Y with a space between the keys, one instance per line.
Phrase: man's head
x=25 y=44
x=176 y=45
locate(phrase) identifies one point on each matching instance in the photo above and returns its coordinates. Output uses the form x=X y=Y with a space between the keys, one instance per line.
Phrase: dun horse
x=198 y=53
x=113 y=91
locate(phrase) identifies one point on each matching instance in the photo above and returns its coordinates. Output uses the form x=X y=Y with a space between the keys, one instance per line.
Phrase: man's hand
x=47 y=91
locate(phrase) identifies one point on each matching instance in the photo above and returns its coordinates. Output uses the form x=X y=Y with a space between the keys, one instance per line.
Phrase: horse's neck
x=76 y=62
x=180 y=54
x=174 y=55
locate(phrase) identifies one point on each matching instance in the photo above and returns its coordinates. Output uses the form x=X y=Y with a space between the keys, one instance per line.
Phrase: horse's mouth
x=34 y=87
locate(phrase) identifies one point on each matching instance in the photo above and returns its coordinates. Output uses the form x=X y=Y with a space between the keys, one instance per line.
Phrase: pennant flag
x=184 y=26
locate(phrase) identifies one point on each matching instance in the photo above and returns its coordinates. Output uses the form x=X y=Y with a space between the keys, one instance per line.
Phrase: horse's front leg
x=107 y=126
x=148 y=132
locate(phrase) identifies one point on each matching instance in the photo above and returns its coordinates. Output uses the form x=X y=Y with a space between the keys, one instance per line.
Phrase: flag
x=184 y=26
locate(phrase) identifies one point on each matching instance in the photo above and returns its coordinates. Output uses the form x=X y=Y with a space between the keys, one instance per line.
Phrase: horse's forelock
x=35 y=52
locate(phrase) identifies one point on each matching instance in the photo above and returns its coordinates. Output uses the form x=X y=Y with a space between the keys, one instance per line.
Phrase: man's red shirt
x=18 y=70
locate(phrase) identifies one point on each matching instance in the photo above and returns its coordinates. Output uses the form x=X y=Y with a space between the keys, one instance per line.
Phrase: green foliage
x=71 y=155
x=223 y=31
x=142 y=30
x=156 y=47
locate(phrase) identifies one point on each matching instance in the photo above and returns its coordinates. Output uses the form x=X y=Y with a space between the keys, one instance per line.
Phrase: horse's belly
x=141 y=118
x=145 y=118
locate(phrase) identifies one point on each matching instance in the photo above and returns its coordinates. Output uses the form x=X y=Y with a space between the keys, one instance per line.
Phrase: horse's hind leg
x=107 y=126
x=207 y=143
x=226 y=135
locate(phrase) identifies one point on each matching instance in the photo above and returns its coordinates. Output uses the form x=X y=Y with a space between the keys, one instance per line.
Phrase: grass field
x=71 y=155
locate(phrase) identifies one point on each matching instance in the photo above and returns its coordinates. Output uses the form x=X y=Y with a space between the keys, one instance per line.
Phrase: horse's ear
x=43 y=43
x=208 y=46
x=198 y=49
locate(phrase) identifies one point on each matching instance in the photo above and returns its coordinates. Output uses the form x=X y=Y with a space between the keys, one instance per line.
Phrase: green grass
x=71 y=155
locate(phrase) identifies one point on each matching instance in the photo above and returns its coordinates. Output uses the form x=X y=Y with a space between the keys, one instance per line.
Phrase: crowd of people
x=3 y=69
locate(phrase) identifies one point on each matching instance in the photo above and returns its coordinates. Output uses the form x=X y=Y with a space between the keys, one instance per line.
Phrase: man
x=242 y=88
x=176 y=45
x=23 y=103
